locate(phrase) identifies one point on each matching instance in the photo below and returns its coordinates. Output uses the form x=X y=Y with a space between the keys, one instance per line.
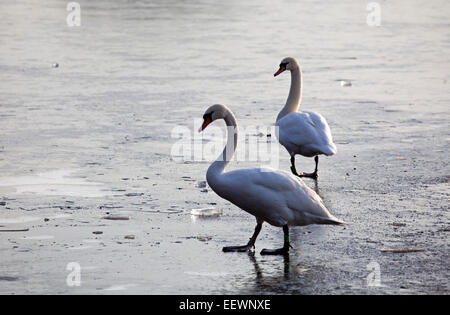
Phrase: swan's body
x=274 y=196
x=304 y=133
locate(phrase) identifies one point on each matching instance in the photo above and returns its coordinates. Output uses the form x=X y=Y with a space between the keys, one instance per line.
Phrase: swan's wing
x=306 y=133
x=275 y=196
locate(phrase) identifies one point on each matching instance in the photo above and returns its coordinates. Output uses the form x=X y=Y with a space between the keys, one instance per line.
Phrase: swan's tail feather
x=330 y=220
x=329 y=150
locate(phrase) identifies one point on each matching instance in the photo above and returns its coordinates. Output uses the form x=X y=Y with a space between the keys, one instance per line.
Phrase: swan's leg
x=280 y=251
x=313 y=174
x=250 y=244
x=293 y=169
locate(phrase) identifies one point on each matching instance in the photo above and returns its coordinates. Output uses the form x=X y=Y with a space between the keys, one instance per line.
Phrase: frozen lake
x=92 y=137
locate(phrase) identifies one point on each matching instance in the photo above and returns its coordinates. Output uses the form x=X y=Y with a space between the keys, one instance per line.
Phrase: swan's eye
x=283 y=64
x=209 y=115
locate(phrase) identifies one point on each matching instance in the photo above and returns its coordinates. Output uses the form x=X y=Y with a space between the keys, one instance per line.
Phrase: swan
x=304 y=133
x=273 y=196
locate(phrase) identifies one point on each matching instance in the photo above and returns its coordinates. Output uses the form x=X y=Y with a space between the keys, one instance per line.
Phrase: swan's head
x=214 y=112
x=288 y=63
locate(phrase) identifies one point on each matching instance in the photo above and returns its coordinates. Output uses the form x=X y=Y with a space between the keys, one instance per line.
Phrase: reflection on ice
x=55 y=183
x=206 y=212
x=122 y=287
x=21 y=219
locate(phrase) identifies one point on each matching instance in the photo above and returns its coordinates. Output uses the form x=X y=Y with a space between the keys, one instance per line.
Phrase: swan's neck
x=218 y=166
x=295 y=94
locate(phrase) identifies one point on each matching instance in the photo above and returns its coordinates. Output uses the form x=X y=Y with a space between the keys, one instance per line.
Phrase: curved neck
x=295 y=94
x=218 y=166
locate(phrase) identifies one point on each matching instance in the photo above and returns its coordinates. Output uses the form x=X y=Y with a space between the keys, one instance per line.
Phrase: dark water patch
x=116 y=217
x=14 y=230
x=437 y=180
x=341 y=142
x=134 y=194
x=109 y=207
x=145 y=138
x=67 y=207
x=366 y=102
x=9 y=278
x=93 y=164
x=411 y=121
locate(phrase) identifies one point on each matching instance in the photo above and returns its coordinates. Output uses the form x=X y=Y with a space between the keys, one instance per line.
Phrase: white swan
x=304 y=133
x=274 y=196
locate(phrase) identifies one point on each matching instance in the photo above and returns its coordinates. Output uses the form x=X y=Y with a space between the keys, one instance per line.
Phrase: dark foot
x=250 y=245
x=239 y=249
x=310 y=175
x=279 y=251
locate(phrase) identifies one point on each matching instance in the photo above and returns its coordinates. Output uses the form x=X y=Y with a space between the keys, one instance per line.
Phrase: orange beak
x=206 y=122
x=282 y=68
